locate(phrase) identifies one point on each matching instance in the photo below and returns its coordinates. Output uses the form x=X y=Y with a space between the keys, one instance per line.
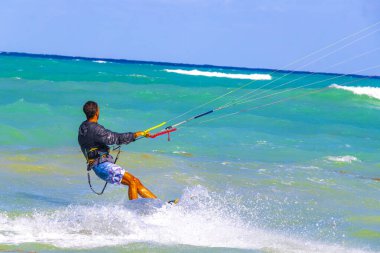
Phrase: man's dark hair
x=90 y=108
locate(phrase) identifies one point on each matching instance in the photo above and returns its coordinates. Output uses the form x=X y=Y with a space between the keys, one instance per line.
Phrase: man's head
x=91 y=109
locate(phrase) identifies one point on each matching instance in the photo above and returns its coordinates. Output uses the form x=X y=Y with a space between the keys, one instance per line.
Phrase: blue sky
x=244 y=33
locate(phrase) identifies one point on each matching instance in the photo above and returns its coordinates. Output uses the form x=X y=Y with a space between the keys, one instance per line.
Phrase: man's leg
x=136 y=187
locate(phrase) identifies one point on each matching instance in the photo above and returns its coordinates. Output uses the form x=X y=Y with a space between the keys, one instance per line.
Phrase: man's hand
x=141 y=134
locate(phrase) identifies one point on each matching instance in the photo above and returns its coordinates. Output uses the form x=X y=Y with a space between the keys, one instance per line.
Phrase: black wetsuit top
x=92 y=135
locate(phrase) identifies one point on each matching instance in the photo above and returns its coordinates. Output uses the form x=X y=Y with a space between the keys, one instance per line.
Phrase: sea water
x=299 y=172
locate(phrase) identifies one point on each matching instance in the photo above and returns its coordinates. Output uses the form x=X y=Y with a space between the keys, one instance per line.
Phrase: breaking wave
x=196 y=72
x=373 y=92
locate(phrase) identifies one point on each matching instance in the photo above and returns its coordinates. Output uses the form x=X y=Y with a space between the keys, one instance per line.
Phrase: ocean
x=296 y=170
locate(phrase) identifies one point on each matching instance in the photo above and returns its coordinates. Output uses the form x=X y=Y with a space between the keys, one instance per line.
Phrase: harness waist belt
x=95 y=157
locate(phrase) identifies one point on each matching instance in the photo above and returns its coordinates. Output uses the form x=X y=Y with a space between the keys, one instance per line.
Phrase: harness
x=94 y=155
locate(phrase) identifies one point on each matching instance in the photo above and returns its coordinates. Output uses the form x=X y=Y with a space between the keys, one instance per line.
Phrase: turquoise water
x=301 y=175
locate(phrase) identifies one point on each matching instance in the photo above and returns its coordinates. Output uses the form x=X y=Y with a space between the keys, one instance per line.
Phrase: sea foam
x=373 y=92
x=343 y=159
x=196 y=72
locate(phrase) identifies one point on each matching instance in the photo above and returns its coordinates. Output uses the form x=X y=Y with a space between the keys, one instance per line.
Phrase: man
x=94 y=139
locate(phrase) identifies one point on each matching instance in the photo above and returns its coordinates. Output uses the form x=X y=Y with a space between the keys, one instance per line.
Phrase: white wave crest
x=99 y=61
x=196 y=72
x=198 y=220
x=373 y=92
x=343 y=159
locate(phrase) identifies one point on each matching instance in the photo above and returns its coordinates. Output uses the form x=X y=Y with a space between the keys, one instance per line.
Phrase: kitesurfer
x=94 y=139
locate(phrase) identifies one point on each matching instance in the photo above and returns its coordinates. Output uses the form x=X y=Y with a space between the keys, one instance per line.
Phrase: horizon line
x=68 y=57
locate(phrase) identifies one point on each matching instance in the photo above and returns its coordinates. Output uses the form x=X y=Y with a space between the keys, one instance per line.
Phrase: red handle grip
x=163 y=132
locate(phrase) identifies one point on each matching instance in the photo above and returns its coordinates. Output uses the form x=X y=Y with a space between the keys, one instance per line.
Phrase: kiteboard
x=173 y=202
